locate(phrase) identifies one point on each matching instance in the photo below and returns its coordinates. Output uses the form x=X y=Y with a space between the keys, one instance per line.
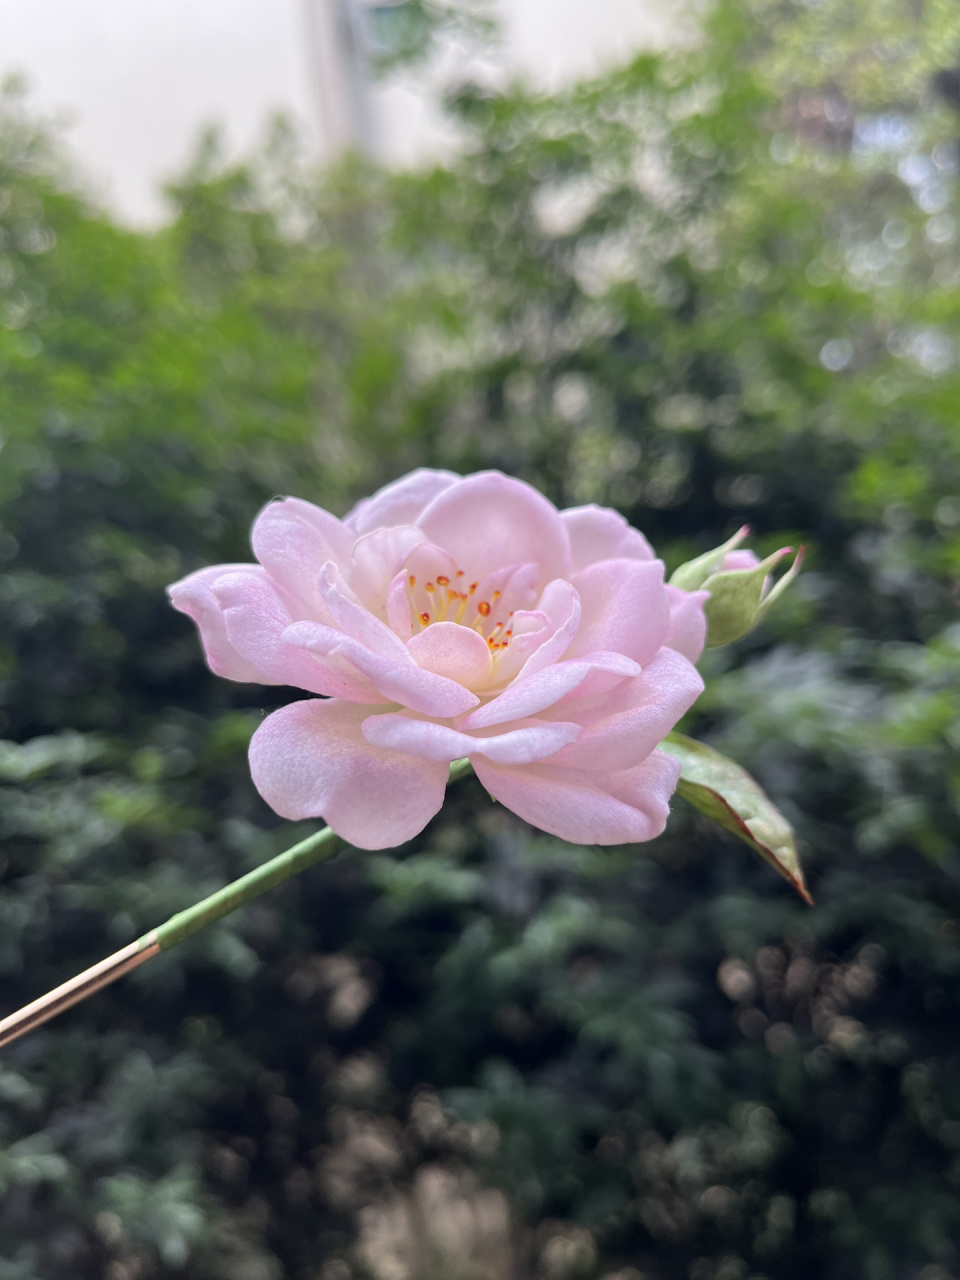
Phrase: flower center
x=440 y=600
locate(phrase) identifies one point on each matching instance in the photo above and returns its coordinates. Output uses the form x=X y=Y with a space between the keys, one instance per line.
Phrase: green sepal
x=726 y=793
x=777 y=591
x=694 y=573
x=735 y=600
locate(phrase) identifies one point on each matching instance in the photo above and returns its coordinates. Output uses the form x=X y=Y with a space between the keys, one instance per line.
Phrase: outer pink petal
x=597 y=533
x=194 y=596
x=544 y=688
x=632 y=719
x=688 y=623
x=402 y=682
x=489 y=520
x=400 y=502
x=459 y=653
x=529 y=740
x=293 y=539
x=625 y=608
x=256 y=615
x=310 y=760
x=585 y=807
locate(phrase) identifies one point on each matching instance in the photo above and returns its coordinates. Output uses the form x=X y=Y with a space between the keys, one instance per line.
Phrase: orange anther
x=497 y=595
x=424 y=618
x=428 y=586
x=443 y=580
x=483 y=609
x=412 y=580
x=459 y=573
x=473 y=587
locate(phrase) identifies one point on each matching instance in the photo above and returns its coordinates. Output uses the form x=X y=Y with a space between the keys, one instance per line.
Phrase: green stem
x=458 y=769
x=322 y=844
x=316 y=848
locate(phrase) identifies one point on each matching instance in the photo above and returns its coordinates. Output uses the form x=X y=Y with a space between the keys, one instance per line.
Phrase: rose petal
x=597 y=533
x=529 y=740
x=687 y=632
x=459 y=653
x=489 y=520
x=544 y=688
x=292 y=539
x=625 y=608
x=585 y=807
x=561 y=603
x=622 y=727
x=426 y=563
x=511 y=589
x=354 y=620
x=256 y=616
x=310 y=760
x=399 y=618
x=739 y=559
x=194 y=596
x=400 y=502
x=377 y=558
x=531 y=629
x=404 y=682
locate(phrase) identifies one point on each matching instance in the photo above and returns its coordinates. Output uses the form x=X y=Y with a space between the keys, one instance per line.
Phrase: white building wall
x=136 y=79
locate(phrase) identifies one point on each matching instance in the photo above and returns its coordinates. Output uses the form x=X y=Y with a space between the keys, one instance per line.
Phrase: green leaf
x=727 y=794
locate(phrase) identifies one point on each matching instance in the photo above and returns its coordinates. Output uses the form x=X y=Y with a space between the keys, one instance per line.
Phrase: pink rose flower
x=453 y=616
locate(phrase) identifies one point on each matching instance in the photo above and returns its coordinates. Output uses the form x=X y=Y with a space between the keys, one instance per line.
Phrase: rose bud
x=740 y=586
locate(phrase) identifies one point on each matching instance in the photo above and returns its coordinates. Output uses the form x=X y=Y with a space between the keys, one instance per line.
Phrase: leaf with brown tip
x=726 y=793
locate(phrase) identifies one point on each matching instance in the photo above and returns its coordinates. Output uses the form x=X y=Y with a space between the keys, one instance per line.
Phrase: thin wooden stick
x=316 y=848
x=78 y=988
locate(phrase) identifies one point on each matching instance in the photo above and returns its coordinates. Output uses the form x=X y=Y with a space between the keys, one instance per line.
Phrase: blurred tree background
x=717 y=285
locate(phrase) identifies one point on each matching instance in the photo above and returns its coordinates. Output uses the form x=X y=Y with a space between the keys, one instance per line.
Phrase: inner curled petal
x=459 y=653
x=377 y=558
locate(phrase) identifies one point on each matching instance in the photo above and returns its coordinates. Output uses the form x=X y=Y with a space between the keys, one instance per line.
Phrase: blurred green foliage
x=713 y=286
